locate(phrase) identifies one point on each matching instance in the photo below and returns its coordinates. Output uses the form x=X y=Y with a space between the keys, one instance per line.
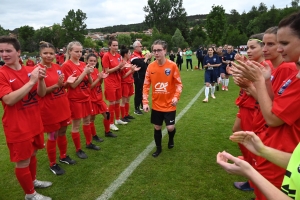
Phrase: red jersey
x=129 y=78
x=55 y=105
x=18 y=119
x=82 y=92
x=96 y=92
x=30 y=63
x=166 y=84
x=60 y=58
x=279 y=74
x=286 y=137
x=111 y=61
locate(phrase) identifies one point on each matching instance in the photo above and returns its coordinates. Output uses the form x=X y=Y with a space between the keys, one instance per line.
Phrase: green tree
x=197 y=37
x=124 y=39
x=3 y=31
x=26 y=38
x=216 y=23
x=295 y=3
x=178 y=39
x=58 y=36
x=43 y=34
x=89 y=43
x=233 y=17
x=74 y=25
x=166 y=16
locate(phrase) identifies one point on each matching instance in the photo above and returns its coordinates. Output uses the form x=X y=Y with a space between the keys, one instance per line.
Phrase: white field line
x=134 y=164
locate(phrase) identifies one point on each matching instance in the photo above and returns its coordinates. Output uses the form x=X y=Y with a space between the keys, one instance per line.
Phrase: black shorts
x=158 y=117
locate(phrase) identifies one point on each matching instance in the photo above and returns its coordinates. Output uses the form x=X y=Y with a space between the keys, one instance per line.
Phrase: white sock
x=206 y=92
x=223 y=81
x=213 y=89
x=226 y=82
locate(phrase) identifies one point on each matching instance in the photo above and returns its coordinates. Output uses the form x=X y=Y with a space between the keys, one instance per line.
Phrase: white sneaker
x=41 y=184
x=213 y=96
x=113 y=127
x=120 y=122
x=36 y=196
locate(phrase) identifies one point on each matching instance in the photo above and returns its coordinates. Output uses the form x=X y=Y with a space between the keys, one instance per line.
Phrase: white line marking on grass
x=128 y=171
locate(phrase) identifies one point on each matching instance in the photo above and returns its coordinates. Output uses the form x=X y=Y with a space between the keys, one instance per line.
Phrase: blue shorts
x=223 y=69
x=210 y=76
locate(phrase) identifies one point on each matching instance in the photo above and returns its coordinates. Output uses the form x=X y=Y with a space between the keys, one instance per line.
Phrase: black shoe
x=156 y=153
x=170 y=144
x=57 y=170
x=125 y=119
x=97 y=139
x=92 y=146
x=110 y=134
x=129 y=117
x=67 y=160
x=81 y=154
x=138 y=112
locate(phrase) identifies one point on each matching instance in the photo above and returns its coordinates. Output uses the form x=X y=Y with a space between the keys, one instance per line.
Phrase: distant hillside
x=192 y=20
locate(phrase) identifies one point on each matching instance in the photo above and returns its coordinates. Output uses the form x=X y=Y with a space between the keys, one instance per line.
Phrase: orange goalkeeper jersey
x=166 y=84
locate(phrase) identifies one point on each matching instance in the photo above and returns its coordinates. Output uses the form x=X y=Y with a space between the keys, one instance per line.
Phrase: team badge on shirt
x=59 y=72
x=284 y=86
x=29 y=74
x=215 y=59
x=167 y=71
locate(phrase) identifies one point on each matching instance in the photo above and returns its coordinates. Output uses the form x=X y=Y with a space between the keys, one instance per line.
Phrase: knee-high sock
x=24 y=177
x=122 y=108
x=157 y=137
x=62 y=144
x=106 y=124
x=127 y=109
x=117 y=111
x=226 y=82
x=112 y=113
x=51 y=151
x=32 y=167
x=171 y=134
x=87 y=133
x=213 y=89
x=93 y=129
x=206 y=92
x=223 y=81
x=76 y=140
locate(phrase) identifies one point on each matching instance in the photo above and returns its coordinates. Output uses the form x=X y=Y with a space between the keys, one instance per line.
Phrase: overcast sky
x=102 y=13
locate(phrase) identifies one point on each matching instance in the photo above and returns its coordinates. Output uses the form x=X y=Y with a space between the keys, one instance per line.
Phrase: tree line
x=168 y=20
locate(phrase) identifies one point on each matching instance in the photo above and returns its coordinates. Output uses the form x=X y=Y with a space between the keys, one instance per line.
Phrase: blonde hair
x=70 y=48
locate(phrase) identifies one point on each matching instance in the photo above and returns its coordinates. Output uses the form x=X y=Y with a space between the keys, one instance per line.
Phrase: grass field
x=188 y=171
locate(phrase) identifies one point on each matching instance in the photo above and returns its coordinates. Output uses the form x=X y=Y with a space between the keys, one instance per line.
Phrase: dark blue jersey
x=215 y=59
x=229 y=56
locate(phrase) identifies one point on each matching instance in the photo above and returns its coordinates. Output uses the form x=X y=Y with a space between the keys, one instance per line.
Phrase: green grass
x=189 y=171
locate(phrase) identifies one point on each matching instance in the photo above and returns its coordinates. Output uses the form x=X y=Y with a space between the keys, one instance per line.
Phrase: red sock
x=106 y=124
x=122 y=108
x=62 y=144
x=87 y=133
x=93 y=129
x=112 y=113
x=24 y=177
x=32 y=167
x=76 y=140
x=51 y=151
x=117 y=111
x=126 y=109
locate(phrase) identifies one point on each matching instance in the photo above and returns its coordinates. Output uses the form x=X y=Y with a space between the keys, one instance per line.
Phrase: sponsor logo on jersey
x=161 y=87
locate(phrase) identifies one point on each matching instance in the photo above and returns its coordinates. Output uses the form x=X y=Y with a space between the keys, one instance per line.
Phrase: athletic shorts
x=113 y=94
x=80 y=110
x=23 y=150
x=158 y=117
x=54 y=127
x=99 y=107
x=127 y=90
x=210 y=76
x=223 y=70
